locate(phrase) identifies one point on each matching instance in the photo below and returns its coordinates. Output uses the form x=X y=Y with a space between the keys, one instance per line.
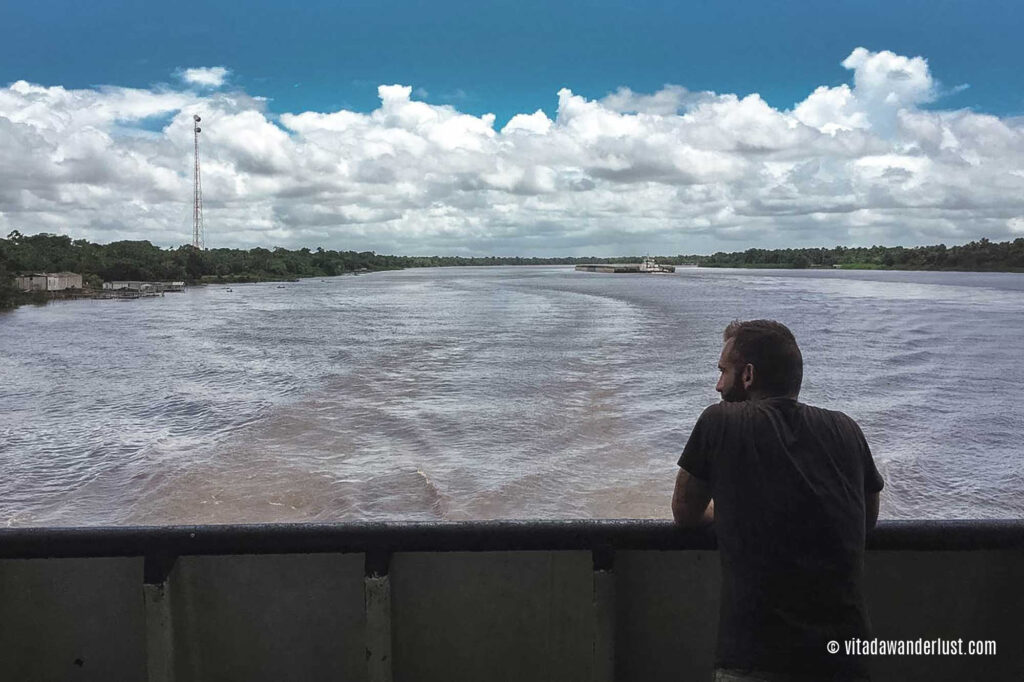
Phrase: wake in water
x=487 y=393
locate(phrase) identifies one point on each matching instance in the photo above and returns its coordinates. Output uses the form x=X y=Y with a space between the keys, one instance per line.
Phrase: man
x=795 y=490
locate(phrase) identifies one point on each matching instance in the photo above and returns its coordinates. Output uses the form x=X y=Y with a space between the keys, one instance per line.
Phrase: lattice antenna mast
x=198 y=237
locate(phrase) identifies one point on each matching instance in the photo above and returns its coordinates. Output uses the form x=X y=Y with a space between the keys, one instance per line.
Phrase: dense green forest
x=979 y=255
x=141 y=260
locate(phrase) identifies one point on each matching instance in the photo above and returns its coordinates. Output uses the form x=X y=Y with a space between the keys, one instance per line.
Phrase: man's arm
x=870 y=510
x=692 y=505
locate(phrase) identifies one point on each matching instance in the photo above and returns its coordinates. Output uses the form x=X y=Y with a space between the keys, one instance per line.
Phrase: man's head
x=760 y=359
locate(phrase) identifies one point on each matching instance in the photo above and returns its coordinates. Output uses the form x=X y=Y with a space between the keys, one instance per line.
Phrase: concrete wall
x=668 y=612
x=666 y=615
x=63 y=280
x=53 y=281
x=974 y=595
x=268 y=617
x=492 y=616
x=487 y=615
x=31 y=282
x=72 y=619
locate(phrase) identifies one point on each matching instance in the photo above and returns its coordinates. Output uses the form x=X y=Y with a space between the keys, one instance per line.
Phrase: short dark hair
x=771 y=348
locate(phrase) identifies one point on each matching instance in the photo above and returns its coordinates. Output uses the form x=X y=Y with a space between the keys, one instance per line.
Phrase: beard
x=735 y=393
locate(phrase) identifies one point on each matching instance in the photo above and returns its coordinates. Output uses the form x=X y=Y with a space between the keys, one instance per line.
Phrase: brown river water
x=487 y=393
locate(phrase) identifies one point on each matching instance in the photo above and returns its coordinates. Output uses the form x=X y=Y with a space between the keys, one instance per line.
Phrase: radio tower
x=198 y=238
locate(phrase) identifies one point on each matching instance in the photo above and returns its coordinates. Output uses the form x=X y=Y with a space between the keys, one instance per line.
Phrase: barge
x=646 y=266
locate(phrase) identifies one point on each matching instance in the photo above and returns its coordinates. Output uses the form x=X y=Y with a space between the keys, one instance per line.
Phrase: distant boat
x=648 y=266
x=229 y=289
x=281 y=286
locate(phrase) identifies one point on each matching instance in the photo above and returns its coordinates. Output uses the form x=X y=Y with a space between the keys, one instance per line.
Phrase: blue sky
x=508 y=57
x=660 y=127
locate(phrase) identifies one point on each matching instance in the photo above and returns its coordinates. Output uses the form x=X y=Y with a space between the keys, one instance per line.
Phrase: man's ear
x=748 y=376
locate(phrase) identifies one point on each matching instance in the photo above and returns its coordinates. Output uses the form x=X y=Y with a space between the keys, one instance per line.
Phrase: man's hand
x=691 y=502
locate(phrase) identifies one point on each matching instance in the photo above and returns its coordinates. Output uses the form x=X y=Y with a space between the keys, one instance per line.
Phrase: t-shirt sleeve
x=873 y=481
x=702 y=444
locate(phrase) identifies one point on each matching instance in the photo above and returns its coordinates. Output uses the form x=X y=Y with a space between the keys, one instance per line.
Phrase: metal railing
x=391 y=536
x=630 y=599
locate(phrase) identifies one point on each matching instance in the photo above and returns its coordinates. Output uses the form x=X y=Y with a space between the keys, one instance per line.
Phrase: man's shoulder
x=718 y=418
x=725 y=416
x=739 y=409
x=723 y=410
x=825 y=413
x=833 y=420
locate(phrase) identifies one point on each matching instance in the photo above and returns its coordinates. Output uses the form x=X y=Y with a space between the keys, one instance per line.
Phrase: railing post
x=377 y=592
x=603 y=663
x=159 y=625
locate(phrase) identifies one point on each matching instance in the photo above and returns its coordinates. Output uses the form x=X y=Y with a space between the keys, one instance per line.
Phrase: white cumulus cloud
x=884 y=84
x=205 y=77
x=674 y=171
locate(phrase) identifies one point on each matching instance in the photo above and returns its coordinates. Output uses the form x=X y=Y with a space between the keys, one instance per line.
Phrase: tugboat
x=649 y=266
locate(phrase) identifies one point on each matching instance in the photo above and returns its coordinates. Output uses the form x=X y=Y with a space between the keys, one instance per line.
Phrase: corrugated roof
x=49 y=274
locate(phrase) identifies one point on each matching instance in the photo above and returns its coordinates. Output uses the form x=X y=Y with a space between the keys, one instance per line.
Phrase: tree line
x=977 y=255
x=141 y=260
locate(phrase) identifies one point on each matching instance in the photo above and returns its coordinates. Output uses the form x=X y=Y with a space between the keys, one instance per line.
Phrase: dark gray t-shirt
x=789 y=482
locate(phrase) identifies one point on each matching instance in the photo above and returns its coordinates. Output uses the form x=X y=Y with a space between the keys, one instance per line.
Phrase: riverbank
x=143 y=261
x=23 y=298
x=43 y=297
x=855 y=266
x=256 y=278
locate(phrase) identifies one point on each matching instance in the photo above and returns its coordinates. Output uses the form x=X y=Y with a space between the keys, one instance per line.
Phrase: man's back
x=789 y=483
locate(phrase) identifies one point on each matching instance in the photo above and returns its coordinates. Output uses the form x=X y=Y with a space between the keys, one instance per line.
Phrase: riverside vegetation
x=982 y=255
x=141 y=260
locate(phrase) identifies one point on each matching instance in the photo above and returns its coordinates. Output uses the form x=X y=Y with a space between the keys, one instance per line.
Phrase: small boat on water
x=649 y=266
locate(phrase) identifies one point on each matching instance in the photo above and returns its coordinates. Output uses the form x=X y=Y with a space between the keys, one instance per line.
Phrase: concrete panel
x=270 y=617
x=974 y=595
x=667 y=615
x=72 y=619
x=492 y=616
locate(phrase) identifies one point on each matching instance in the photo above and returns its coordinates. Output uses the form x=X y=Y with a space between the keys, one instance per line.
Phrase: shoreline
x=46 y=297
x=851 y=267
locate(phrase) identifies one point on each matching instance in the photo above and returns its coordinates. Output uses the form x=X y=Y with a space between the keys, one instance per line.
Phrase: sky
x=515 y=128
